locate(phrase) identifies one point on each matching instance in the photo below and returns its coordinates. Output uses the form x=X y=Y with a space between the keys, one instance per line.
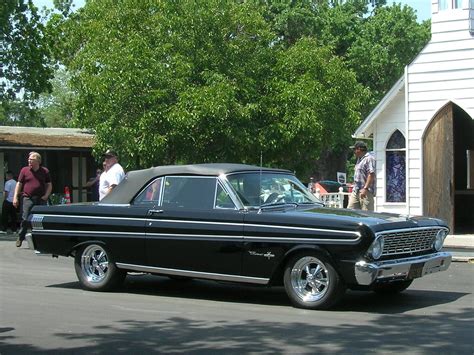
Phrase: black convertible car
x=238 y=223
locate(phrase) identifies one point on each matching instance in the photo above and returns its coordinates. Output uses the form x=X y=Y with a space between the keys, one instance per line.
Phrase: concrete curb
x=461 y=247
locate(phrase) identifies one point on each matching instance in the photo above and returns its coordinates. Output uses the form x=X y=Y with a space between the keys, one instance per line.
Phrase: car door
x=194 y=227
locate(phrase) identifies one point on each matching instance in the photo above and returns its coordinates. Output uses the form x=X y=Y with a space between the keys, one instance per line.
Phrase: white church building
x=423 y=129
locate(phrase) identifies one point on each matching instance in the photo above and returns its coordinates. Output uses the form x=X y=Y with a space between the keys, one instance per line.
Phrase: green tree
x=56 y=107
x=19 y=113
x=23 y=53
x=388 y=41
x=184 y=81
x=314 y=106
x=376 y=40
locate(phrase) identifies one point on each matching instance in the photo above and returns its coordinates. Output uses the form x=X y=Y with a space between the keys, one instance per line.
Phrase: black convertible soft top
x=135 y=180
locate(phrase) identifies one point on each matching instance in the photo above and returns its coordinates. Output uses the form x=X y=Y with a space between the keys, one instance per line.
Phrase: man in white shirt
x=8 y=210
x=112 y=176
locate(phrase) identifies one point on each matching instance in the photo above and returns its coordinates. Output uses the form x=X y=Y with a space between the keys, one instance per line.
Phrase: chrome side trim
x=93 y=217
x=82 y=232
x=307 y=229
x=263 y=226
x=302 y=240
x=398 y=269
x=197 y=274
x=238 y=238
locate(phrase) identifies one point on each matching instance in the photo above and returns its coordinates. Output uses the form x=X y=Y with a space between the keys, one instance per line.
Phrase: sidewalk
x=461 y=246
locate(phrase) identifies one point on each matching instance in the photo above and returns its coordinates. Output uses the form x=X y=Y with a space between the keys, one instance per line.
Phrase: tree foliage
x=388 y=41
x=24 y=55
x=204 y=82
x=188 y=81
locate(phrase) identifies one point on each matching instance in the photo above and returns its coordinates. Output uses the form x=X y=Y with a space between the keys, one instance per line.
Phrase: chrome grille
x=37 y=222
x=408 y=241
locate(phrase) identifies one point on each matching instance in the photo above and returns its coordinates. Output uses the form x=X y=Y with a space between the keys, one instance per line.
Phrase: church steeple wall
x=452 y=20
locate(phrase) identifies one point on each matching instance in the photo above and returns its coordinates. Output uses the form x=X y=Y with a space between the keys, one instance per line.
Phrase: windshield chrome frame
x=227 y=186
x=238 y=202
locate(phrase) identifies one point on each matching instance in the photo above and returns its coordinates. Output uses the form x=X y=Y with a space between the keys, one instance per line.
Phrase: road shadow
x=353 y=301
x=443 y=333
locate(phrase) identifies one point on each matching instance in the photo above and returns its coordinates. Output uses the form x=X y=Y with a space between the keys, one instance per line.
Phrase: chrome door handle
x=151 y=212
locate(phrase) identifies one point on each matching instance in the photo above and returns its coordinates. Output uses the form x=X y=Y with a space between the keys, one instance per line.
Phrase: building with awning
x=66 y=152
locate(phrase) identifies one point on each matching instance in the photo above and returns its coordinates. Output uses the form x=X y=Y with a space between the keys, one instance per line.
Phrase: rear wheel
x=95 y=269
x=392 y=287
x=312 y=282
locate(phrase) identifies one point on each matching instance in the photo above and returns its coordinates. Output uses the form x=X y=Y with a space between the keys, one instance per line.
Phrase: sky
x=422 y=7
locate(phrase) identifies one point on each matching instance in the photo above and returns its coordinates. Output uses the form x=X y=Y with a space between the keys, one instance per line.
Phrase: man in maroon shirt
x=34 y=184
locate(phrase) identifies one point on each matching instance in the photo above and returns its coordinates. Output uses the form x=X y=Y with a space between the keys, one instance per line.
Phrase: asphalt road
x=44 y=310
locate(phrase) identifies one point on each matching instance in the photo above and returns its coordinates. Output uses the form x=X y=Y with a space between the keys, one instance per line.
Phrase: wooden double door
x=447 y=193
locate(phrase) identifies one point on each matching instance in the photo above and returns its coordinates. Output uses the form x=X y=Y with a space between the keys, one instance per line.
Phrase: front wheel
x=312 y=282
x=95 y=269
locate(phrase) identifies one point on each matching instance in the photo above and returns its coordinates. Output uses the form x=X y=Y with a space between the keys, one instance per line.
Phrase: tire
x=391 y=288
x=311 y=281
x=96 y=270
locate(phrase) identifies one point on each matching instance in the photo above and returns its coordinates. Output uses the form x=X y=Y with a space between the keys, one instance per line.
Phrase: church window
x=395 y=158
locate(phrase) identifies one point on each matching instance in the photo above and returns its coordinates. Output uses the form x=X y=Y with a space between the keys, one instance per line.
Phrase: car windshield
x=267 y=189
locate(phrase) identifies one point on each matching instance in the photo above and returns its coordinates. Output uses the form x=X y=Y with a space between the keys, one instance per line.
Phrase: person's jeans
x=27 y=205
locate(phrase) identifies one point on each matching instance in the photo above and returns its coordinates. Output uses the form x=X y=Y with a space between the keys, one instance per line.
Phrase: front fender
x=277 y=275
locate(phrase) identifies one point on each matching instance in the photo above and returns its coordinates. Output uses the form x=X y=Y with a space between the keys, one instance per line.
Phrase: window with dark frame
x=395 y=168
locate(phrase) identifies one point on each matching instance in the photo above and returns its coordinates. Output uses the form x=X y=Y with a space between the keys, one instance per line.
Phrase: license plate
x=416 y=270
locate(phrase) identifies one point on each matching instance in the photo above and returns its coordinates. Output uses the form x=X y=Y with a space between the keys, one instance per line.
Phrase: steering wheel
x=274 y=197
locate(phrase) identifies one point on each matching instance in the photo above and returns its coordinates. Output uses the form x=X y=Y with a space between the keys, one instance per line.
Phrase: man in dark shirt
x=34 y=184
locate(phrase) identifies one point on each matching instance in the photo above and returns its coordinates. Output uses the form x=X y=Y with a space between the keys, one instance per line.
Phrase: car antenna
x=260 y=178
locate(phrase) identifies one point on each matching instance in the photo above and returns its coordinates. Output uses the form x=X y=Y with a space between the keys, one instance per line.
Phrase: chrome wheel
x=96 y=269
x=94 y=263
x=310 y=279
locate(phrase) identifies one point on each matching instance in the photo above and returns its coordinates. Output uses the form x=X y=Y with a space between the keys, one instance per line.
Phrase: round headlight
x=376 y=248
x=439 y=239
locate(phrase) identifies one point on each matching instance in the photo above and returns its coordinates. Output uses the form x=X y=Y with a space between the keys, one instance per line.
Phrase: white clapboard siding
x=435 y=67
x=446 y=37
x=442 y=94
x=430 y=105
x=439 y=47
x=441 y=76
x=435 y=57
x=393 y=119
x=442 y=72
x=464 y=83
x=450 y=26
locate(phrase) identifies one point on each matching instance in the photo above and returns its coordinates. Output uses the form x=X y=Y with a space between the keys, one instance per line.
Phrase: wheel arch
x=83 y=244
x=277 y=275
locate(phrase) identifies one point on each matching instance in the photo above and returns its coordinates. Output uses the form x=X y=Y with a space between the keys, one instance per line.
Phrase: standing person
x=363 y=190
x=8 y=210
x=94 y=183
x=113 y=175
x=34 y=184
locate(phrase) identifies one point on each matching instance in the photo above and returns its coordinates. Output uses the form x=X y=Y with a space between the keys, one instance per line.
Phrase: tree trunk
x=327 y=166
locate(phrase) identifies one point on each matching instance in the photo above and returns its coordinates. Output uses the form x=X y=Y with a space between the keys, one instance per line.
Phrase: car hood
x=324 y=216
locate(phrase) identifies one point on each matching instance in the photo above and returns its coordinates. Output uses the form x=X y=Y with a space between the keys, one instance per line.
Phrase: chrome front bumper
x=401 y=269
